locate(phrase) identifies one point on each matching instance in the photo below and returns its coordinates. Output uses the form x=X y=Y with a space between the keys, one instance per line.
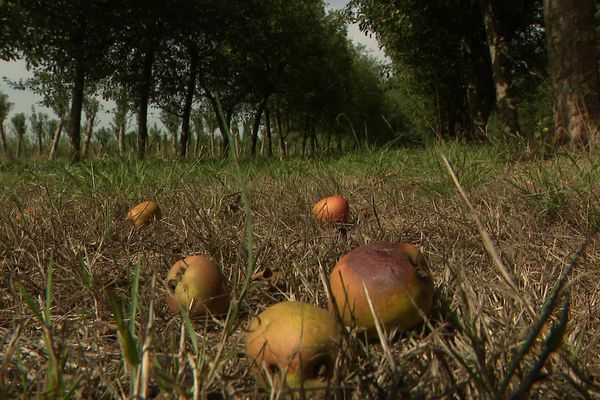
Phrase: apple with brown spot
x=197 y=284
x=398 y=282
x=293 y=344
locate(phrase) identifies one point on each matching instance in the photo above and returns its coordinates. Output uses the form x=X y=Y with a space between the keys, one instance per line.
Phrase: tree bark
x=89 y=129
x=268 y=132
x=143 y=103
x=76 y=107
x=56 y=138
x=256 y=126
x=187 y=106
x=499 y=55
x=573 y=63
x=39 y=143
x=121 y=140
x=220 y=123
x=3 y=138
x=279 y=125
x=478 y=108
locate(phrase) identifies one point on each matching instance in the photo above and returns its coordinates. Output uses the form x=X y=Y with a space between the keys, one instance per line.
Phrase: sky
x=24 y=100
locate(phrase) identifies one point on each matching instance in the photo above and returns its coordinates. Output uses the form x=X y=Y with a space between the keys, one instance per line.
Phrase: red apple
x=295 y=343
x=143 y=213
x=197 y=285
x=397 y=279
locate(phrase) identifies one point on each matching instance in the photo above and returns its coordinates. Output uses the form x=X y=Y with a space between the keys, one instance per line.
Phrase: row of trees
x=284 y=66
x=461 y=69
x=467 y=58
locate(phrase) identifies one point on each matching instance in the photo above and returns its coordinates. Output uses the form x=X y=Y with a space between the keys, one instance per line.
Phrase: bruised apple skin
x=398 y=281
x=143 y=213
x=197 y=284
x=295 y=343
x=331 y=209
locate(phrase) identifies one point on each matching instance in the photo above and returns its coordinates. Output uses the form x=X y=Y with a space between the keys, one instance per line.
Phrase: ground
x=82 y=292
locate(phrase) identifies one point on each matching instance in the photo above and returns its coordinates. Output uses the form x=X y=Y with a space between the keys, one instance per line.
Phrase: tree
x=72 y=36
x=38 y=122
x=133 y=57
x=5 y=107
x=571 y=38
x=501 y=68
x=91 y=107
x=19 y=126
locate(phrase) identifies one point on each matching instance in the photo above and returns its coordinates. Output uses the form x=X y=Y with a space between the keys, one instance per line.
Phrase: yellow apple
x=293 y=344
x=197 y=284
x=143 y=213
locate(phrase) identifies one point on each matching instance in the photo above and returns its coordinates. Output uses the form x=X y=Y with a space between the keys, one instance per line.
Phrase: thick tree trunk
x=478 y=108
x=573 y=65
x=3 y=138
x=256 y=126
x=76 y=107
x=56 y=138
x=89 y=129
x=500 y=58
x=187 y=106
x=143 y=103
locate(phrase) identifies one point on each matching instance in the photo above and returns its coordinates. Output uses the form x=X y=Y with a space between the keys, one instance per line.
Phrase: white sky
x=24 y=100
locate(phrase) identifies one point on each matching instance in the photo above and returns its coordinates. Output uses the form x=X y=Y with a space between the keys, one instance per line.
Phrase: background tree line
x=286 y=77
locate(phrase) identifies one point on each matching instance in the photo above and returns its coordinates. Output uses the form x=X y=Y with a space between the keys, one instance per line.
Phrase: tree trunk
x=197 y=144
x=143 y=103
x=187 y=106
x=478 y=108
x=500 y=58
x=122 y=140
x=76 y=107
x=56 y=138
x=256 y=126
x=279 y=125
x=573 y=66
x=39 y=143
x=19 y=145
x=268 y=132
x=3 y=139
x=305 y=136
x=89 y=128
x=220 y=122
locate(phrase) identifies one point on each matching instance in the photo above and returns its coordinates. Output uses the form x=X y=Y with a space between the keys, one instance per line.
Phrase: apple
x=144 y=212
x=197 y=284
x=398 y=282
x=295 y=344
x=331 y=209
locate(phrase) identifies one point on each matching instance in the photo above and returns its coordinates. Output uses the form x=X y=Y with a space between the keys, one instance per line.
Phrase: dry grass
x=68 y=222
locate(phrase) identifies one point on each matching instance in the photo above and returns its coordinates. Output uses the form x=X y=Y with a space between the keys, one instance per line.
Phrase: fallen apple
x=331 y=209
x=197 y=284
x=397 y=279
x=143 y=213
x=293 y=344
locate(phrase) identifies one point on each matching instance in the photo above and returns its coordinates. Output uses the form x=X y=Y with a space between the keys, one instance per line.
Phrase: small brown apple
x=398 y=282
x=295 y=344
x=331 y=209
x=197 y=285
x=143 y=213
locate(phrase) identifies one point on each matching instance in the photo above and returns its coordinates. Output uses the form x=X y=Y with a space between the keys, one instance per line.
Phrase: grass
x=82 y=300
